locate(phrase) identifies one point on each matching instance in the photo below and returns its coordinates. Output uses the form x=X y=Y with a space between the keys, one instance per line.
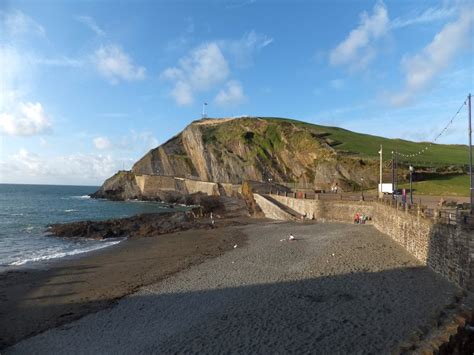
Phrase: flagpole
x=204 y=110
x=380 y=185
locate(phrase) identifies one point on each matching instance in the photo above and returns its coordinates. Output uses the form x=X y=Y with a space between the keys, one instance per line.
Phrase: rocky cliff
x=232 y=150
x=262 y=149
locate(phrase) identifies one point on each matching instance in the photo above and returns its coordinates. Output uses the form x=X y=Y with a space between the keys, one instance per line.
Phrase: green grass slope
x=367 y=146
x=444 y=185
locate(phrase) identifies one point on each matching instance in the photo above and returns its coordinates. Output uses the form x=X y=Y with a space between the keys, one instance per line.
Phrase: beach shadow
x=63 y=283
x=360 y=312
x=61 y=295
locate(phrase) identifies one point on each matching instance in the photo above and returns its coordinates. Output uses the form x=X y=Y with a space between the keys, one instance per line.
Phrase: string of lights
x=426 y=147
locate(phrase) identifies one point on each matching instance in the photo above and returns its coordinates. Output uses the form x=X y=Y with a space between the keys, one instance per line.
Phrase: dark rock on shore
x=144 y=225
x=153 y=224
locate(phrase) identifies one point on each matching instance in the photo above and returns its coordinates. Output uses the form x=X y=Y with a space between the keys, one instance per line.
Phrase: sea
x=26 y=211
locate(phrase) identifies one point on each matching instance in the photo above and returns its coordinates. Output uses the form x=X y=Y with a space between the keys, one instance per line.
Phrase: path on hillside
x=339 y=288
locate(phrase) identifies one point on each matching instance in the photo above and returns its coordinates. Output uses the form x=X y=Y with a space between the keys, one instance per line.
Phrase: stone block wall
x=447 y=249
x=193 y=186
x=271 y=210
x=151 y=185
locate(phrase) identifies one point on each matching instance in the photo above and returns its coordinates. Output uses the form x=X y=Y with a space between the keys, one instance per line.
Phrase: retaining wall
x=271 y=210
x=151 y=185
x=447 y=249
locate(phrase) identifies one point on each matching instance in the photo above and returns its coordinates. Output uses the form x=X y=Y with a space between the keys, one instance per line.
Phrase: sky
x=88 y=87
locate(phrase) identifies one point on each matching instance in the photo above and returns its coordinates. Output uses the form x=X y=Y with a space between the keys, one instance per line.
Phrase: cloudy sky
x=86 y=88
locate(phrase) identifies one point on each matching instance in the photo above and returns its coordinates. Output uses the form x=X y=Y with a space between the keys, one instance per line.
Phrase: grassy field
x=366 y=145
x=453 y=185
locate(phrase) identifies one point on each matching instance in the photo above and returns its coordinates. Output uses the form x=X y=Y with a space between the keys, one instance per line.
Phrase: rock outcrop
x=233 y=150
x=225 y=210
x=229 y=151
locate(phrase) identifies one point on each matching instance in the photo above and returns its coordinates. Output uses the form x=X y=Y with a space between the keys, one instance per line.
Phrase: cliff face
x=233 y=150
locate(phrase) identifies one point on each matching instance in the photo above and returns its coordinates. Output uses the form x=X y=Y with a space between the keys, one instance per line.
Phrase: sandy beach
x=34 y=300
x=338 y=288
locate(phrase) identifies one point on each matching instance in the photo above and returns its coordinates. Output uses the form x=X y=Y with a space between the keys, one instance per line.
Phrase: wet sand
x=339 y=288
x=34 y=300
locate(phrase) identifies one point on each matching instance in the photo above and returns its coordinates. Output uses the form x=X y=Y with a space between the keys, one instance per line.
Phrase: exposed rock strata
x=254 y=149
x=230 y=151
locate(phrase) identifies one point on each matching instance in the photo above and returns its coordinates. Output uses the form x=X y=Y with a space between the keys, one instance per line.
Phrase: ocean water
x=27 y=210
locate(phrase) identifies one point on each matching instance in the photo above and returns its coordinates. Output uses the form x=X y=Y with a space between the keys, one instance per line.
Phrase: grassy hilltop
x=367 y=146
x=231 y=150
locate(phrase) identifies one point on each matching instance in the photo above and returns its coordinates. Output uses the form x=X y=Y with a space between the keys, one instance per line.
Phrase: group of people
x=360 y=218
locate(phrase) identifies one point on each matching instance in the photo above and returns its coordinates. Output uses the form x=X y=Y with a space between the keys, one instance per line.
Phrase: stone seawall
x=151 y=186
x=271 y=210
x=447 y=249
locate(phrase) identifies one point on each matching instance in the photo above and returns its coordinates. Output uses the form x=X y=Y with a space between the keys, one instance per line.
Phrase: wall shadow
x=360 y=312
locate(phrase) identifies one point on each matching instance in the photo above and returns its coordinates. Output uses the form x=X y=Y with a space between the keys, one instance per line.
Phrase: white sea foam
x=55 y=254
x=71 y=210
x=82 y=197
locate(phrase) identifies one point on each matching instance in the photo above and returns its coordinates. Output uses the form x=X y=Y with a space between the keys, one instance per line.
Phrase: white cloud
x=182 y=93
x=357 y=50
x=135 y=141
x=102 y=143
x=27 y=167
x=113 y=114
x=28 y=119
x=239 y=4
x=16 y=71
x=422 y=68
x=91 y=24
x=429 y=15
x=203 y=68
x=43 y=142
x=18 y=115
x=242 y=50
x=114 y=64
x=232 y=95
x=336 y=84
x=147 y=139
x=59 y=62
x=17 y=23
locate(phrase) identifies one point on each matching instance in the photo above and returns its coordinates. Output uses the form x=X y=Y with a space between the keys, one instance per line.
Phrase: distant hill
x=230 y=150
x=366 y=145
x=262 y=148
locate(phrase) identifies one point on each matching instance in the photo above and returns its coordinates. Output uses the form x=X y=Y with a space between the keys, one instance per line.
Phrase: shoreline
x=338 y=287
x=47 y=262
x=35 y=299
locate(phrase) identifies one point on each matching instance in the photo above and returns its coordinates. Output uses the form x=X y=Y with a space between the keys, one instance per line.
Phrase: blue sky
x=88 y=87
